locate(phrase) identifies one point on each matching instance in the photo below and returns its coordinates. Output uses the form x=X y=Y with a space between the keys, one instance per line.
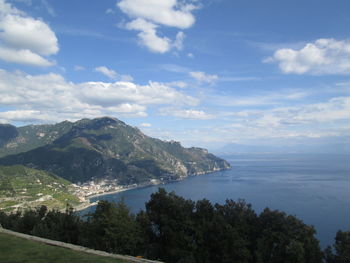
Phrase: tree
x=285 y=238
x=340 y=251
x=170 y=227
x=59 y=226
x=112 y=228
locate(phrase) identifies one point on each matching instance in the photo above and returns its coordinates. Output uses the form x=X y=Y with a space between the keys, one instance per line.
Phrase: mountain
x=25 y=187
x=15 y=140
x=105 y=148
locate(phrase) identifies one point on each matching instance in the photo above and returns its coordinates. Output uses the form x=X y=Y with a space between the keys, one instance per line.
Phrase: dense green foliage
x=340 y=251
x=112 y=228
x=180 y=230
x=174 y=229
x=104 y=148
x=22 y=186
x=18 y=250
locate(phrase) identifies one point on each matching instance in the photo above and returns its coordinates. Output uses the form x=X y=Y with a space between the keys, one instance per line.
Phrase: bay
x=313 y=187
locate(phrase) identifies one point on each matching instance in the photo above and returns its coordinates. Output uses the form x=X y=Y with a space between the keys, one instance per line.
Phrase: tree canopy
x=174 y=229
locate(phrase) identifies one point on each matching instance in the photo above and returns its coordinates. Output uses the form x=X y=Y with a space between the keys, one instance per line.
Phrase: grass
x=18 y=250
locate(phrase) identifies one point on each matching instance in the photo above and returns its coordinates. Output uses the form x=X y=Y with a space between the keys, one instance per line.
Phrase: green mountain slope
x=108 y=148
x=25 y=187
x=16 y=140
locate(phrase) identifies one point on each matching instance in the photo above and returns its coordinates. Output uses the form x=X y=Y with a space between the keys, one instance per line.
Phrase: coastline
x=149 y=183
x=87 y=205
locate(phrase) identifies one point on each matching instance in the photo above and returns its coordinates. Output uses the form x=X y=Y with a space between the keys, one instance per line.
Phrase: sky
x=203 y=72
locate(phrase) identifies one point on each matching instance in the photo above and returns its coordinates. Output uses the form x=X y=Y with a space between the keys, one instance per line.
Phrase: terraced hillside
x=22 y=187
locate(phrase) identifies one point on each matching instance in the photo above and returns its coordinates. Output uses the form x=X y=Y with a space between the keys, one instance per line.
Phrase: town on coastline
x=92 y=189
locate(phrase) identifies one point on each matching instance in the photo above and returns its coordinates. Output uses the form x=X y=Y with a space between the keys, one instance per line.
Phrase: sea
x=313 y=187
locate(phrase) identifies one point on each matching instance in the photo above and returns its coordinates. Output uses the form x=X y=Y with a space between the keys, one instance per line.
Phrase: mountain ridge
x=105 y=147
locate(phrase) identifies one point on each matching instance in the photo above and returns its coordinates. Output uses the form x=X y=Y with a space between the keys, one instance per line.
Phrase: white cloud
x=171 y=13
x=49 y=97
x=332 y=111
x=126 y=108
x=324 y=56
x=178 y=43
x=6 y=8
x=23 y=56
x=113 y=74
x=149 y=15
x=203 y=77
x=120 y=92
x=25 y=40
x=22 y=115
x=336 y=109
x=28 y=33
x=315 y=120
x=179 y=84
x=148 y=36
x=186 y=114
x=107 y=72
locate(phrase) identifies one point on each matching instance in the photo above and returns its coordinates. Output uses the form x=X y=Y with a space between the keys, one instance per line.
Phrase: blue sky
x=203 y=72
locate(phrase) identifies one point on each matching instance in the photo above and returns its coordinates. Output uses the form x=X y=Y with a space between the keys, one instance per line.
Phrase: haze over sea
x=314 y=187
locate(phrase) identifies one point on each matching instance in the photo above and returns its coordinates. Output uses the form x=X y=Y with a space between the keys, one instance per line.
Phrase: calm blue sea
x=315 y=188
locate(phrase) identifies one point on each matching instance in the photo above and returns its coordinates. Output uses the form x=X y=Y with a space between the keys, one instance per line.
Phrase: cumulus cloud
x=324 y=56
x=171 y=13
x=23 y=56
x=148 y=36
x=203 y=77
x=49 y=97
x=149 y=15
x=25 y=40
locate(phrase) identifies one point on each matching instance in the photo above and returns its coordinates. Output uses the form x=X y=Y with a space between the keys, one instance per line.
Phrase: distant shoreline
x=87 y=205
